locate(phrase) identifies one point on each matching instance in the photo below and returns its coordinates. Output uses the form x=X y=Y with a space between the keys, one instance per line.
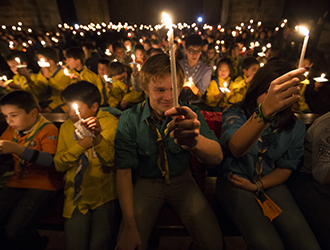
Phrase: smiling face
x=17 y=118
x=160 y=95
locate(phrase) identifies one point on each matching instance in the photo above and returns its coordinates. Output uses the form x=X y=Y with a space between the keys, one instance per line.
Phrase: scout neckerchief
x=41 y=123
x=269 y=208
x=104 y=91
x=83 y=164
x=127 y=87
x=162 y=160
x=56 y=71
x=187 y=72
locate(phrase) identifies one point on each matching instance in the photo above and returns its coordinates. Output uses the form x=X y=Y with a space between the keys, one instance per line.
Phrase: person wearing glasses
x=197 y=72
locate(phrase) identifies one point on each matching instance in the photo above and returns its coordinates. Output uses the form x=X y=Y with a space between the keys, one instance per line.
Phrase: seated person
x=122 y=95
x=104 y=81
x=85 y=153
x=23 y=78
x=53 y=79
x=32 y=140
x=219 y=90
x=92 y=56
x=263 y=143
x=155 y=141
x=75 y=59
x=140 y=54
x=212 y=57
x=311 y=189
x=250 y=66
x=119 y=54
x=199 y=71
x=233 y=55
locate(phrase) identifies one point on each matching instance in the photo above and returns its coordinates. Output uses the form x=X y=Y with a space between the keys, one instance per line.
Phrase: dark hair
x=248 y=62
x=89 y=46
x=117 y=45
x=232 y=47
x=104 y=61
x=49 y=53
x=259 y=85
x=76 y=53
x=193 y=40
x=139 y=47
x=83 y=91
x=21 y=55
x=230 y=65
x=22 y=99
x=159 y=67
x=147 y=41
x=116 y=68
x=211 y=46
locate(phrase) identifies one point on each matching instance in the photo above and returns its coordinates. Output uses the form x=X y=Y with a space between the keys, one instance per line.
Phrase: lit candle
x=224 y=89
x=170 y=35
x=321 y=78
x=138 y=66
x=133 y=58
x=305 y=32
x=19 y=63
x=75 y=107
x=66 y=72
x=43 y=64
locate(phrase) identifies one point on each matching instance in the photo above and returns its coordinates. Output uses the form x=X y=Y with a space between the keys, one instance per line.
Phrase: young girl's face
x=223 y=70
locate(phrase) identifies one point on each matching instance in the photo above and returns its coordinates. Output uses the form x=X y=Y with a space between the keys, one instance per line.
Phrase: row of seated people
x=261 y=144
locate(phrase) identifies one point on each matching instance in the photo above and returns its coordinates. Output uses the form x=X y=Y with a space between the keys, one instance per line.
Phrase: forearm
x=125 y=195
x=207 y=151
x=277 y=177
x=38 y=157
x=245 y=137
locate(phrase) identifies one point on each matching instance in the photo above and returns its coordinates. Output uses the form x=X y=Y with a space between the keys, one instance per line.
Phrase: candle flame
x=190 y=79
x=168 y=21
x=322 y=75
x=18 y=60
x=225 y=84
x=304 y=30
x=139 y=67
x=66 y=72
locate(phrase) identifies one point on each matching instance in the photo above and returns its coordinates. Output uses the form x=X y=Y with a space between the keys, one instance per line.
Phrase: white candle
x=305 y=32
x=170 y=35
x=224 y=89
x=43 y=64
x=66 y=72
x=133 y=58
x=75 y=107
x=19 y=63
x=321 y=78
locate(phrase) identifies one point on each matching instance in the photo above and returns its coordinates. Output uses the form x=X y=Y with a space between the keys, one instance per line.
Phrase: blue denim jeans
x=18 y=209
x=187 y=201
x=287 y=231
x=95 y=230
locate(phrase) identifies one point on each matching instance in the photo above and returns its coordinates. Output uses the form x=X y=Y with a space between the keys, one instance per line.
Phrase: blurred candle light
x=75 y=107
x=170 y=34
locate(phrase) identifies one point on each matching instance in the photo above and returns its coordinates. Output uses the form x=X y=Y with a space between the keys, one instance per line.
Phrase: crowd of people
x=125 y=150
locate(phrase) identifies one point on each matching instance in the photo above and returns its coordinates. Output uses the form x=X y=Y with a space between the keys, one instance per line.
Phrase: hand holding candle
x=224 y=89
x=170 y=35
x=42 y=63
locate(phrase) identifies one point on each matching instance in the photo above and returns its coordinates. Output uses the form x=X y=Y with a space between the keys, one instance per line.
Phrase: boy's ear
x=34 y=112
x=95 y=106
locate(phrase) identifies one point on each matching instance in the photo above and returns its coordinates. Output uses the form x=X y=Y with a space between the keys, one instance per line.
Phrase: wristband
x=261 y=115
x=259 y=189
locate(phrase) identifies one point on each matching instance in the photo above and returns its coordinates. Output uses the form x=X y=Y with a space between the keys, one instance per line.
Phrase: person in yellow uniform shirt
x=53 y=80
x=104 y=81
x=122 y=95
x=250 y=66
x=218 y=92
x=23 y=79
x=85 y=152
x=75 y=59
